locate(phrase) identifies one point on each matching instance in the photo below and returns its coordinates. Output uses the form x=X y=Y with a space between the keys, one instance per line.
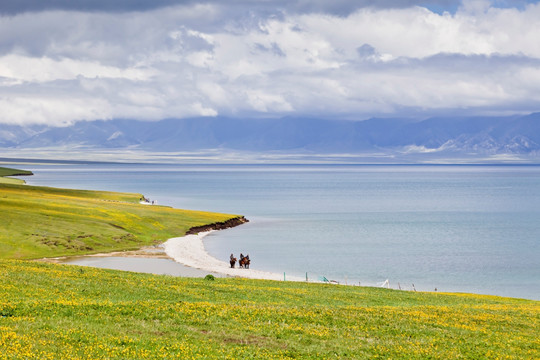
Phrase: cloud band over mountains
x=85 y=60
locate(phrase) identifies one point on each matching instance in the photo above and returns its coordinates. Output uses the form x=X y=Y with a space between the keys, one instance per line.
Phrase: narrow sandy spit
x=189 y=250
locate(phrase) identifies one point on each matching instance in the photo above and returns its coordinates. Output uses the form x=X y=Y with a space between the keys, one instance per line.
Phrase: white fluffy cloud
x=196 y=59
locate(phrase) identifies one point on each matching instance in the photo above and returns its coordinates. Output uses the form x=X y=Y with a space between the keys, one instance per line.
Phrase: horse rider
x=241 y=256
x=232 y=257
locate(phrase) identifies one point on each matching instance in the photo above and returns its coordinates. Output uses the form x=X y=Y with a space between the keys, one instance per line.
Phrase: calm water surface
x=454 y=228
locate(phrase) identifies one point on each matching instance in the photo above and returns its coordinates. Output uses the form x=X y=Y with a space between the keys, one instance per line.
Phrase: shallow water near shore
x=454 y=228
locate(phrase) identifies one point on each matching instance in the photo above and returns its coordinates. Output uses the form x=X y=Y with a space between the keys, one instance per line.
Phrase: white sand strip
x=189 y=250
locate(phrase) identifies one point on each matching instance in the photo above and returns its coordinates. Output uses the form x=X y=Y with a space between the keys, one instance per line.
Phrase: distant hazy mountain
x=12 y=135
x=464 y=135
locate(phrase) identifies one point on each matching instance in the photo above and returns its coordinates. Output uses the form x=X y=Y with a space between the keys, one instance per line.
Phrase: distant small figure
x=232 y=261
x=244 y=261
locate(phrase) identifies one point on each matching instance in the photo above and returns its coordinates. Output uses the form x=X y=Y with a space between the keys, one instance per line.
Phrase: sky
x=63 y=61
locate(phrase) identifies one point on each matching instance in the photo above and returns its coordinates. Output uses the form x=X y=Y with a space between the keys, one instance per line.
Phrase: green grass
x=12 y=172
x=8 y=180
x=48 y=222
x=68 y=312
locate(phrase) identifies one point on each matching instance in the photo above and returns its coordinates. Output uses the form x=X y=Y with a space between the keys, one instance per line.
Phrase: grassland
x=48 y=222
x=52 y=311
x=12 y=172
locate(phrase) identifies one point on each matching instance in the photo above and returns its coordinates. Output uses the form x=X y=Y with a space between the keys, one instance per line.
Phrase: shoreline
x=189 y=251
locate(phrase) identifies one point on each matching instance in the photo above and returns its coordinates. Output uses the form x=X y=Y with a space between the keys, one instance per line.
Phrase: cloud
x=44 y=69
x=20 y=6
x=314 y=58
x=336 y=7
x=475 y=6
x=367 y=51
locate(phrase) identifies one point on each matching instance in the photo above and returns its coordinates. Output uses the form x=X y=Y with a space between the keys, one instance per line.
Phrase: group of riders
x=243 y=262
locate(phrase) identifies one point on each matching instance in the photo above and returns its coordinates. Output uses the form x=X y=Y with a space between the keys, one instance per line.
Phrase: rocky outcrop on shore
x=218 y=225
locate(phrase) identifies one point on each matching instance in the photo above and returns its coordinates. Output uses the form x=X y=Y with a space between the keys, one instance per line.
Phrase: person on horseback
x=232 y=261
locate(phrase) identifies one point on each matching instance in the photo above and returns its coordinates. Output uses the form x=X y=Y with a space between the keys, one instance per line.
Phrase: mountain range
x=468 y=136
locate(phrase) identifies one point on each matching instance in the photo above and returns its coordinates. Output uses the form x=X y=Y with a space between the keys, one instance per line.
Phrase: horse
x=244 y=263
x=233 y=262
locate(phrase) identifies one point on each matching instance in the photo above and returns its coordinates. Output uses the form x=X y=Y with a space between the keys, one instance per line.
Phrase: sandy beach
x=189 y=250
x=180 y=256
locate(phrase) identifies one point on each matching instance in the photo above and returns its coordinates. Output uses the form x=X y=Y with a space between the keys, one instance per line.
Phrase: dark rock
x=218 y=225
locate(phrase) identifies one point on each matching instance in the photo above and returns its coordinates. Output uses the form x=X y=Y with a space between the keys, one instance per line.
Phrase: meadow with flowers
x=51 y=311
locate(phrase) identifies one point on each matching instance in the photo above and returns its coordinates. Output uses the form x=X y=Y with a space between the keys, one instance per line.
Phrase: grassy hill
x=47 y=222
x=66 y=312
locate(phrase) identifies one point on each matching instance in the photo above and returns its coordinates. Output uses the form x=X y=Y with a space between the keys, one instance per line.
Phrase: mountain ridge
x=517 y=134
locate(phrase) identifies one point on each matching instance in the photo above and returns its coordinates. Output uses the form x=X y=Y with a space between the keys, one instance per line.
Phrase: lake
x=424 y=227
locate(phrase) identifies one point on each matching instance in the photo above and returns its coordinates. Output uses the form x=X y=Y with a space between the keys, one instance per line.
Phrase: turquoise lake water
x=453 y=228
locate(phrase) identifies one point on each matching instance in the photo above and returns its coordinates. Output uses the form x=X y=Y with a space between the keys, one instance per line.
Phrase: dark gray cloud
x=476 y=64
x=479 y=62
x=21 y=6
x=366 y=51
x=336 y=7
x=272 y=49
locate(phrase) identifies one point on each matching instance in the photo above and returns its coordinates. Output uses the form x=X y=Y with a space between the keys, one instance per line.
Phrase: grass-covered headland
x=12 y=172
x=40 y=222
x=51 y=311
